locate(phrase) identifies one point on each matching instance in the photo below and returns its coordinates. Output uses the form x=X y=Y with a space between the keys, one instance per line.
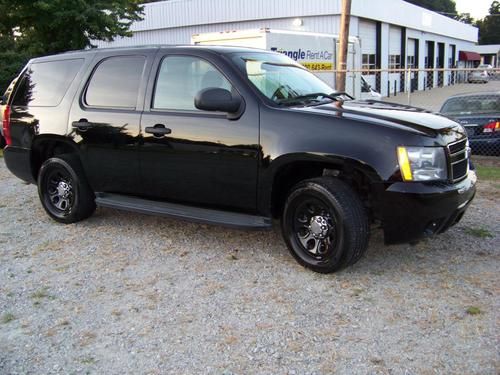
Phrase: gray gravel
x=126 y=293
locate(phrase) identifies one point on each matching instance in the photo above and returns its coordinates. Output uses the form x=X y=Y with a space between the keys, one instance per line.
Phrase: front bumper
x=411 y=211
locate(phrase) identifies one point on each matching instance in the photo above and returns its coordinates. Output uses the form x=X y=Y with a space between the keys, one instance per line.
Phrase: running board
x=200 y=215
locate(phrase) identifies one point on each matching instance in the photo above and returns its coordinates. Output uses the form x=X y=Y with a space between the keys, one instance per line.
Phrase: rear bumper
x=18 y=160
x=411 y=211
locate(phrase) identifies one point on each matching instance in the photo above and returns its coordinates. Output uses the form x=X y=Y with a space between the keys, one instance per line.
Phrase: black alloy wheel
x=63 y=190
x=325 y=225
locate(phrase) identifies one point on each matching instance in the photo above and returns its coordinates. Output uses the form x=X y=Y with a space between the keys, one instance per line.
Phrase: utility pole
x=345 y=18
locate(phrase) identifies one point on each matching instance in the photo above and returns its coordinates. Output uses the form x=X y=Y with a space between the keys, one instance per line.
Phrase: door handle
x=82 y=125
x=159 y=130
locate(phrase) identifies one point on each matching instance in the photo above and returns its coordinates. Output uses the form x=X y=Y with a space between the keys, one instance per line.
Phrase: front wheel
x=325 y=225
x=64 y=191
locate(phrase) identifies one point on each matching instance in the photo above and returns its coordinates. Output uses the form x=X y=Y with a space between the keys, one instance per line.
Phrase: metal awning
x=468 y=56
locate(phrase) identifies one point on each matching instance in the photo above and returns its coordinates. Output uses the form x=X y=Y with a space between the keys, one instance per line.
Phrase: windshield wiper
x=303 y=99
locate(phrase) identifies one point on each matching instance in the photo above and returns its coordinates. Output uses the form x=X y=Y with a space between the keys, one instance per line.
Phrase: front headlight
x=422 y=163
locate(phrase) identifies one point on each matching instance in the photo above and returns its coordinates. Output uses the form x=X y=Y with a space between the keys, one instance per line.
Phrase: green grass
x=479 y=232
x=1 y=153
x=490 y=173
x=7 y=318
x=41 y=293
x=473 y=310
x=87 y=360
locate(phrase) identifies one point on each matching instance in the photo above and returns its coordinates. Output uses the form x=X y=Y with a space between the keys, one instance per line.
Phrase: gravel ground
x=126 y=293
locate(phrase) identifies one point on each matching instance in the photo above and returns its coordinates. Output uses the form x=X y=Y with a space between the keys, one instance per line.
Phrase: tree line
x=30 y=28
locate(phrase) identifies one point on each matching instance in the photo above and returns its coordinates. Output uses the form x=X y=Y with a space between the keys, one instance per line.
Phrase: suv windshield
x=283 y=80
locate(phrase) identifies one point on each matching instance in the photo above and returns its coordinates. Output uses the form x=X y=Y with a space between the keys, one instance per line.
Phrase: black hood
x=408 y=117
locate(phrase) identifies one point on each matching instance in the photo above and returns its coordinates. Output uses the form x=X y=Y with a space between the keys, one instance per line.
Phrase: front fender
x=323 y=161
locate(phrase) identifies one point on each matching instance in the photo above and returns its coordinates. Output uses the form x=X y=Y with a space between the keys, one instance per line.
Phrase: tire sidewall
x=319 y=192
x=47 y=167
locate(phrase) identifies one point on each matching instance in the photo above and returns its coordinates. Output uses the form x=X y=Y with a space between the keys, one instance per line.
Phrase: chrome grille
x=458 y=154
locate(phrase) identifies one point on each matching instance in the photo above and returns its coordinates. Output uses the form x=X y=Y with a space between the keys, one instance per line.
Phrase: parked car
x=492 y=72
x=3 y=103
x=479 y=113
x=237 y=137
x=487 y=67
x=2 y=139
x=479 y=76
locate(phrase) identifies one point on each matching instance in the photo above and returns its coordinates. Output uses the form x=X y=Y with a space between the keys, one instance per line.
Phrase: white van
x=315 y=51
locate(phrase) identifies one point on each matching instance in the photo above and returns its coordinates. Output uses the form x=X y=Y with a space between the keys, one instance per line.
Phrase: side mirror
x=3 y=99
x=217 y=99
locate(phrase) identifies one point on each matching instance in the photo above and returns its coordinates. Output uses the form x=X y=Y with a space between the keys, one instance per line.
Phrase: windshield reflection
x=282 y=80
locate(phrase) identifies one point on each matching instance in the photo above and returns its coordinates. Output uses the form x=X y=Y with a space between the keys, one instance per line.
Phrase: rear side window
x=472 y=104
x=44 y=84
x=115 y=82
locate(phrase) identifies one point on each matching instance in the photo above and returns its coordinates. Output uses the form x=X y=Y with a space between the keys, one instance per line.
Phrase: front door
x=192 y=156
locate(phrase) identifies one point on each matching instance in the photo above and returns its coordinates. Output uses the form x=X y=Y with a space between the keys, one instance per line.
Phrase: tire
x=64 y=191
x=325 y=225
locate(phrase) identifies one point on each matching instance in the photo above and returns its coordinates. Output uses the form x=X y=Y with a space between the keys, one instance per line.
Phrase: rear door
x=105 y=119
x=202 y=158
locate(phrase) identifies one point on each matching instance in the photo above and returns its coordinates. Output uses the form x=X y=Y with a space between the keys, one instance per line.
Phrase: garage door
x=394 y=40
x=368 y=39
x=410 y=47
x=451 y=55
x=368 y=35
x=410 y=53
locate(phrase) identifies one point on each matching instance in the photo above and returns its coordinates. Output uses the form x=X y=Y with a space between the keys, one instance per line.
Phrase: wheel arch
x=47 y=146
x=288 y=170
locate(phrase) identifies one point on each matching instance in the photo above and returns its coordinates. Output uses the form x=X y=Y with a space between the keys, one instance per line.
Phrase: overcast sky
x=476 y=8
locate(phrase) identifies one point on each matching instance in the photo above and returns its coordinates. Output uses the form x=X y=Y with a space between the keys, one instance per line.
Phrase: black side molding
x=200 y=215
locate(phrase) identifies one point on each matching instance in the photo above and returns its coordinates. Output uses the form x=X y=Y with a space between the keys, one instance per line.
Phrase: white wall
x=400 y=13
x=181 y=13
x=182 y=35
x=178 y=18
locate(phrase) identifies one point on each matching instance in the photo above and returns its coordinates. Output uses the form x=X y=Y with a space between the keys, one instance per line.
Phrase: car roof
x=216 y=49
x=479 y=93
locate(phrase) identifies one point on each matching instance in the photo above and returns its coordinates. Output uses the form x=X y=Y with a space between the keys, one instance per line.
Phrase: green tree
x=489 y=26
x=30 y=28
x=465 y=18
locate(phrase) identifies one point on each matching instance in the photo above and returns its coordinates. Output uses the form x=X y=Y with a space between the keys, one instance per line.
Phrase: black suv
x=236 y=137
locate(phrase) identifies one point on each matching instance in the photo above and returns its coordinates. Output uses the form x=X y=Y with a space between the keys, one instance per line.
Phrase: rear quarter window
x=115 y=82
x=44 y=84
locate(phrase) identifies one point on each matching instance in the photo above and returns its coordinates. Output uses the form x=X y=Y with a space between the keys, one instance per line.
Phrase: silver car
x=480 y=76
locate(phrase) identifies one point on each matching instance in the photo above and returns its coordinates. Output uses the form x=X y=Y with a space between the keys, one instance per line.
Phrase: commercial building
x=393 y=34
x=489 y=54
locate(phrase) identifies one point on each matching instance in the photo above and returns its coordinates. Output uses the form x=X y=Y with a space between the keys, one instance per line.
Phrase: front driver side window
x=180 y=78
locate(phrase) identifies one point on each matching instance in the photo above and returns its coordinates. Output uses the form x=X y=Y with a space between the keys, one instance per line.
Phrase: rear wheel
x=63 y=190
x=325 y=225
